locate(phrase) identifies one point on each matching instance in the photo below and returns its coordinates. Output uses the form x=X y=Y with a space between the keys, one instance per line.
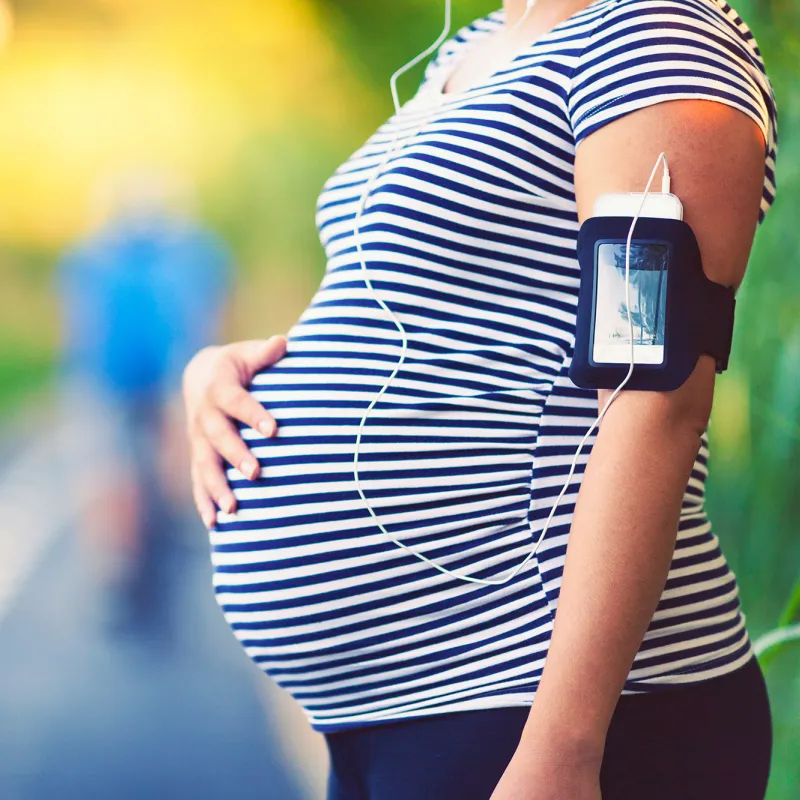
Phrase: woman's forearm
x=620 y=547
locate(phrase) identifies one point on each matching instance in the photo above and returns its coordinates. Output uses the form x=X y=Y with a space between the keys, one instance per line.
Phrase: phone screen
x=649 y=266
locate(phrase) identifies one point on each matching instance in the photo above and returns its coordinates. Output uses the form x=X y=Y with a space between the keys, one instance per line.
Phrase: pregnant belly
x=445 y=462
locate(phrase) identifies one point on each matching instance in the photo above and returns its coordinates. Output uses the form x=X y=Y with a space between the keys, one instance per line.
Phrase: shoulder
x=681 y=24
x=650 y=50
x=713 y=12
x=646 y=52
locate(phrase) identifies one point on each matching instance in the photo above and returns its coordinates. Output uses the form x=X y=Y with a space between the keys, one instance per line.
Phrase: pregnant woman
x=457 y=221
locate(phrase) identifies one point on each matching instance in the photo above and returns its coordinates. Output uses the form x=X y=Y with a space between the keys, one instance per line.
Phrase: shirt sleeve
x=649 y=51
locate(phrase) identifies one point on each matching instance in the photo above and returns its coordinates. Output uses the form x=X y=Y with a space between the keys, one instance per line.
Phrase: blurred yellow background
x=241 y=102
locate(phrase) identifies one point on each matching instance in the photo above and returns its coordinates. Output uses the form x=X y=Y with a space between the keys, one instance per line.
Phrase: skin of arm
x=626 y=518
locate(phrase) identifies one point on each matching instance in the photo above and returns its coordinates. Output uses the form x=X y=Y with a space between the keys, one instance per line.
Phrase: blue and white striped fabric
x=470 y=237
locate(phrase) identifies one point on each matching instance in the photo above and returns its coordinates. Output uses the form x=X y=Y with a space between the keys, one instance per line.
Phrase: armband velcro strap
x=715 y=323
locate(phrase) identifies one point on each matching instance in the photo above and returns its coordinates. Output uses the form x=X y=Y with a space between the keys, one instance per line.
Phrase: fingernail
x=248 y=468
x=228 y=505
x=266 y=428
x=208 y=520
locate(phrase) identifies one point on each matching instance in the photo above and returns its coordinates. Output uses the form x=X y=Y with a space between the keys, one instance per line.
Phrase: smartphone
x=626 y=204
x=649 y=267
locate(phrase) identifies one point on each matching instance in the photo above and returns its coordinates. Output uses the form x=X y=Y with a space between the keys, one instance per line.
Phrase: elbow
x=691 y=420
x=688 y=408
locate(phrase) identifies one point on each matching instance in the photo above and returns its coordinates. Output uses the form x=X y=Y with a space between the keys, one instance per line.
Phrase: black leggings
x=706 y=741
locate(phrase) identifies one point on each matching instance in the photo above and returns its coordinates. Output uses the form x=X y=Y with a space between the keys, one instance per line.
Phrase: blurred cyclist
x=139 y=296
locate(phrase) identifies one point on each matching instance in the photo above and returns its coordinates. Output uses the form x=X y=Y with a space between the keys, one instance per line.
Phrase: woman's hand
x=214 y=394
x=540 y=770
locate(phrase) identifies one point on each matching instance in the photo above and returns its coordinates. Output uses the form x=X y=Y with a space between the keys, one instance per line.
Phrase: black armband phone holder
x=677 y=312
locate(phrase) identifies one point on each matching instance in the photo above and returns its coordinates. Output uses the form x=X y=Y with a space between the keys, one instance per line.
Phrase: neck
x=514 y=10
x=547 y=12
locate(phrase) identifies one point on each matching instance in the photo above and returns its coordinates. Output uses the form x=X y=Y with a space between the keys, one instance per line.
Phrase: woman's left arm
x=626 y=518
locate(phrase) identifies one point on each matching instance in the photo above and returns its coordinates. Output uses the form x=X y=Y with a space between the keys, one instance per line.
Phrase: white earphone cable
x=448 y=22
x=404 y=336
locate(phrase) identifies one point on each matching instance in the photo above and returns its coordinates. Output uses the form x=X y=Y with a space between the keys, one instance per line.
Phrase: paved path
x=174 y=711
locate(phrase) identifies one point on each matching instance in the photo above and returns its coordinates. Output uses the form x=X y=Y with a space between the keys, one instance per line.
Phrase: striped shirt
x=470 y=238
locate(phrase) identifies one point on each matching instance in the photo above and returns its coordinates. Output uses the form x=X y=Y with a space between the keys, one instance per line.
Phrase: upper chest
x=474 y=63
x=512 y=131
x=503 y=141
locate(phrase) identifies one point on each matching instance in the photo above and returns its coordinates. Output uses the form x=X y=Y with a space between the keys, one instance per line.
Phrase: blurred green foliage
x=755 y=433
x=262 y=195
